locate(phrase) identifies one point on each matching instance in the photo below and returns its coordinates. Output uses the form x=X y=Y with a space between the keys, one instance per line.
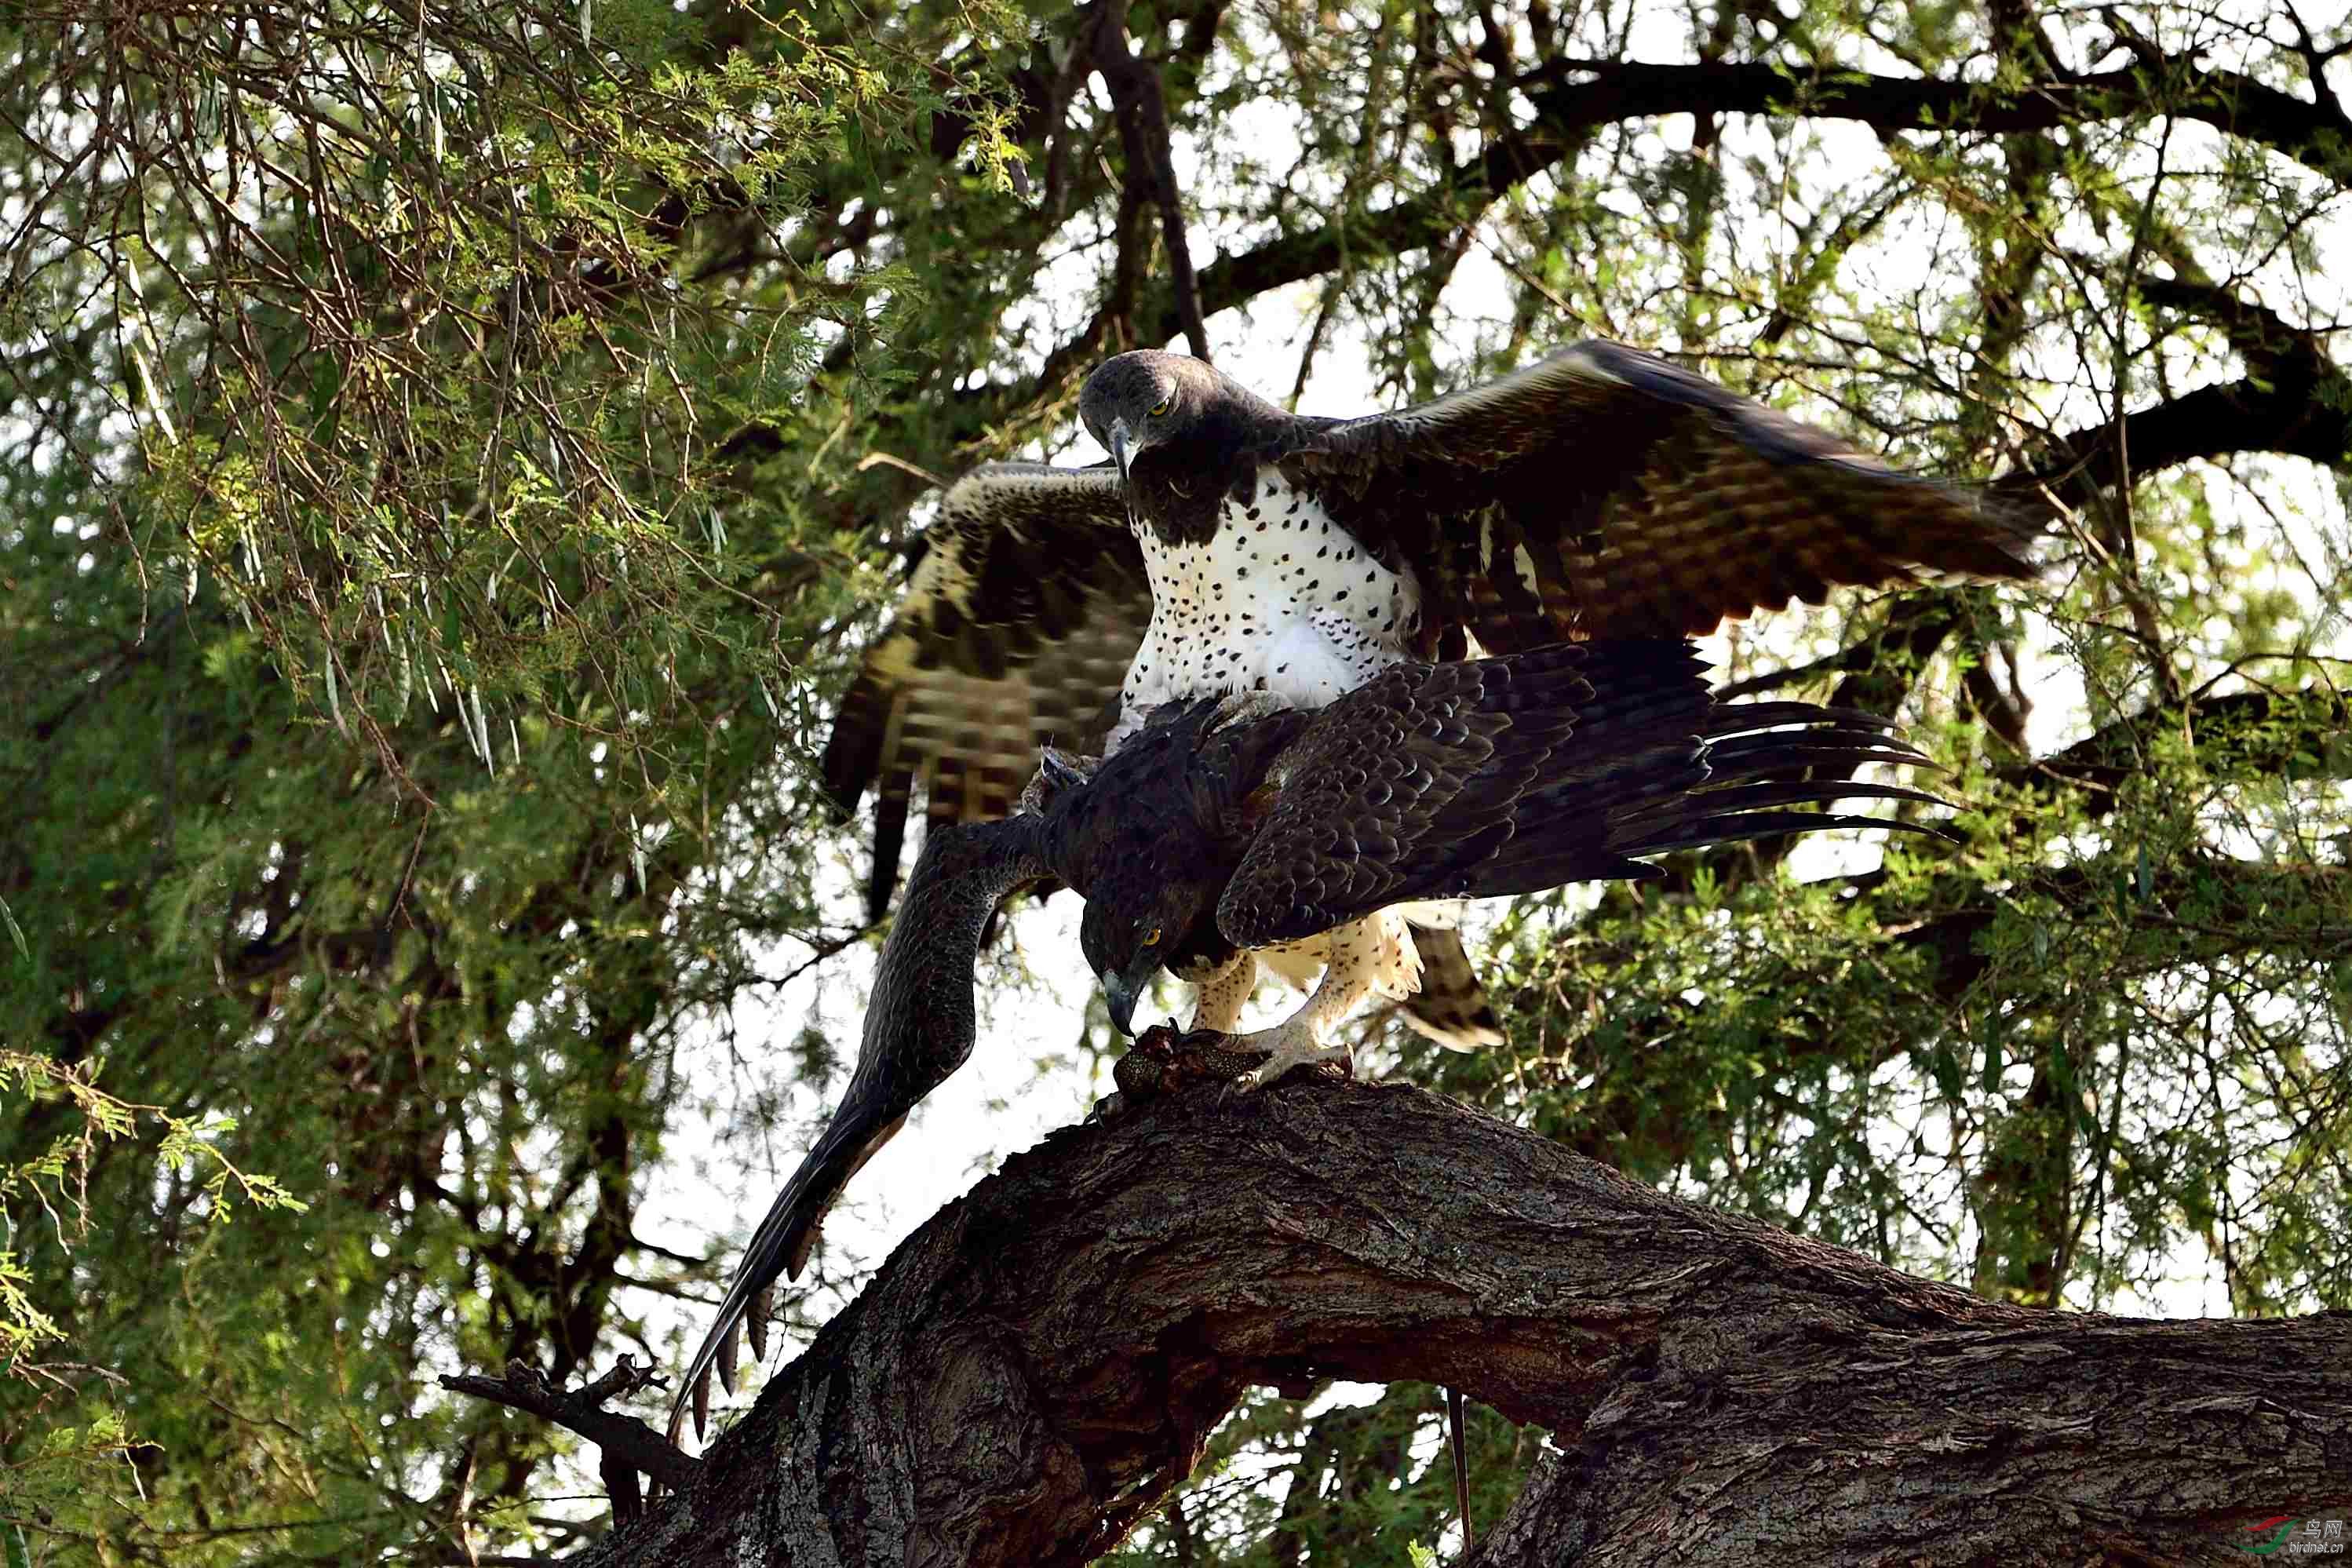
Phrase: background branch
x=630 y=1446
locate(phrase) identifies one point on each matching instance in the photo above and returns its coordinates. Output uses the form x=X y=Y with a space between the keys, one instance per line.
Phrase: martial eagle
x=1229 y=824
x=1233 y=547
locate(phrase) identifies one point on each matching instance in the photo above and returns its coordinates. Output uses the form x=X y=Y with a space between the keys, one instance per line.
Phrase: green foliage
x=53 y=1477
x=453 y=455
x=395 y=644
x=1370 y=1483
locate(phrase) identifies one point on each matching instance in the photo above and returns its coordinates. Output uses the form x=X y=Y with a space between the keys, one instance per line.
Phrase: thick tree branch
x=2295 y=399
x=1040 y=1364
x=2316 y=135
x=1567 y=113
x=1144 y=135
x=2288 y=413
x=2248 y=734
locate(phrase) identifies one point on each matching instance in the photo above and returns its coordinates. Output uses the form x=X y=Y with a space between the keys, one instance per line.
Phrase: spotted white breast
x=1278 y=600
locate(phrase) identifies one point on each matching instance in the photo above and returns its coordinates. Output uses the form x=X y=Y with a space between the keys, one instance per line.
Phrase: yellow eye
x=1162 y=406
x=1152 y=937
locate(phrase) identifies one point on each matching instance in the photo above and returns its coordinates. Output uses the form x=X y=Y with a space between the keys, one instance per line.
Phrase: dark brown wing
x=1019 y=621
x=1605 y=492
x=920 y=1026
x=1499 y=777
x=1423 y=760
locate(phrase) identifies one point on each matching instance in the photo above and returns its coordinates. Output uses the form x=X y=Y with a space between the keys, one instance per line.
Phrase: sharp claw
x=1287 y=1056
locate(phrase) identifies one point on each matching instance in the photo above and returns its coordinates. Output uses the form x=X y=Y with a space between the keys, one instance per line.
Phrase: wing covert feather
x=1420 y=766
x=1501 y=776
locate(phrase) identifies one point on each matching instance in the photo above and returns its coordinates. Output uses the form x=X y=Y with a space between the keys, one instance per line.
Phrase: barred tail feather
x=779 y=1249
x=1452 y=1007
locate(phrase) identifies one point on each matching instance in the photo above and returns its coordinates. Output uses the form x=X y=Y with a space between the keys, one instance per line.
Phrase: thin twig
x=629 y=1445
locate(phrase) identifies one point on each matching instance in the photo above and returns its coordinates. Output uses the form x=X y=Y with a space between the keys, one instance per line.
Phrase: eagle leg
x=1367 y=955
x=1287 y=1046
x=1222 y=996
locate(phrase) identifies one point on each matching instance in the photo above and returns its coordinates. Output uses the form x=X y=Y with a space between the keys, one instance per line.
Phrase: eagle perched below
x=1228 y=824
x=1232 y=547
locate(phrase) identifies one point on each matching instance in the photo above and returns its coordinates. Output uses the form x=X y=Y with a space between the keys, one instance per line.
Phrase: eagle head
x=1137 y=401
x=1149 y=403
x=1131 y=929
x=1153 y=838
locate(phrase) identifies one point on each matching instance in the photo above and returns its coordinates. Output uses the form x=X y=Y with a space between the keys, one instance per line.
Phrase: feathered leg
x=1223 y=995
x=1367 y=955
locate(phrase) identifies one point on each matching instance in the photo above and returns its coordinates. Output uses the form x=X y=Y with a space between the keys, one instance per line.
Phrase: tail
x=1452 y=1006
x=782 y=1245
x=1750 y=752
x=918 y=1029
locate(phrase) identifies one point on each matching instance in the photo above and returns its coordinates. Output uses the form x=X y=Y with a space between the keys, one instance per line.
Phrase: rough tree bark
x=1034 y=1369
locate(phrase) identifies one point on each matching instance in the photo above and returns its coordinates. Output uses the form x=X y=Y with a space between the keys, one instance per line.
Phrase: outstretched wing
x=1605 y=492
x=1406 y=789
x=919 y=1025
x=1019 y=621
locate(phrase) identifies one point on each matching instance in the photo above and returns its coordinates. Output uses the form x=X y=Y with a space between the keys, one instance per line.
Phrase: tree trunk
x=1038 y=1365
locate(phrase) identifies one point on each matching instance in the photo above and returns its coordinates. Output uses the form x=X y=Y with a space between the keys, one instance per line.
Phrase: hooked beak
x=1121 y=997
x=1121 y=990
x=1122 y=442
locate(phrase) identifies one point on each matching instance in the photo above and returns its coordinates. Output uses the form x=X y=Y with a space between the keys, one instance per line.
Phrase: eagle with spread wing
x=1232 y=547
x=1229 y=824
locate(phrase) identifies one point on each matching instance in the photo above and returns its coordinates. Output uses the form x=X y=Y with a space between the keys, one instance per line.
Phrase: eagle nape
x=920 y=1025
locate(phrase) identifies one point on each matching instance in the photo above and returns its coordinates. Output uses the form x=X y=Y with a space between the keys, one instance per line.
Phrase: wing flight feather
x=1408 y=789
x=1606 y=492
x=1021 y=617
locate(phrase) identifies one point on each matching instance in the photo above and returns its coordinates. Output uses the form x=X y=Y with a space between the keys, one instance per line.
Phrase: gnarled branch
x=1044 y=1360
x=630 y=1447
